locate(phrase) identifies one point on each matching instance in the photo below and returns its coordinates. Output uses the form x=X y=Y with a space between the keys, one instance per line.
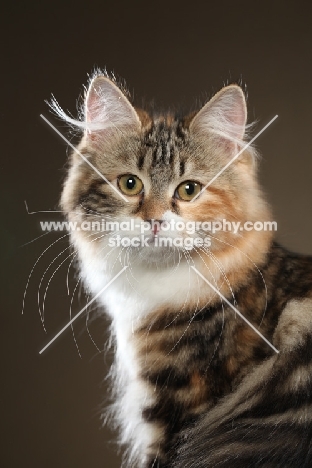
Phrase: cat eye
x=130 y=184
x=188 y=190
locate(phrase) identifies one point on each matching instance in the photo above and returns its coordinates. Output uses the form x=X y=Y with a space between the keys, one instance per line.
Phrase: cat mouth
x=154 y=254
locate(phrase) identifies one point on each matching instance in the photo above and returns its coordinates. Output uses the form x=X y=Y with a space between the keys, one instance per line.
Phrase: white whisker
x=32 y=270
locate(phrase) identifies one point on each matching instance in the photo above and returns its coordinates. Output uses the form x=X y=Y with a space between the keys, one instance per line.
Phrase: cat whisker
x=51 y=277
x=36 y=238
x=69 y=266
x=185 y=301
x=190 y=321
x=32 y=270
x=148 y=330
x=223 y=313
x=88 y=331
x=256 y=267
x=220 y=268
x=77 y=285
x=188 y=259
x=41 y=311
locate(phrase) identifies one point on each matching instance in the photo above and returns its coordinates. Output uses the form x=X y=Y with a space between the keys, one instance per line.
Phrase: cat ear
x=106 y=107
x=223 y=117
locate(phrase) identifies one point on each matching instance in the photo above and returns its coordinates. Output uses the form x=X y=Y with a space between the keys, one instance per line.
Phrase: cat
x=194 y=384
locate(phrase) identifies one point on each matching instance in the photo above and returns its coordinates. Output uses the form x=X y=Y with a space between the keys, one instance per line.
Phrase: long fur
x=194 y=385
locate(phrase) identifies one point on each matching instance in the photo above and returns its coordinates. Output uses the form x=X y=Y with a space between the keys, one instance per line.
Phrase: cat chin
x=156 y=256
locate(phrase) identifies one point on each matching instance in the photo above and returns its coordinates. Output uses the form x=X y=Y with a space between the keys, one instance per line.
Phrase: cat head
x=162 y=176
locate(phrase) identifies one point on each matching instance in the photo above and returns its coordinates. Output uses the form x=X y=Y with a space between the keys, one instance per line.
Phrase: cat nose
x=155 y=225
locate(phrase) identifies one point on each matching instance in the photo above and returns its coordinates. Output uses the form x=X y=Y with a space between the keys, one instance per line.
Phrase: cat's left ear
x=223 y=117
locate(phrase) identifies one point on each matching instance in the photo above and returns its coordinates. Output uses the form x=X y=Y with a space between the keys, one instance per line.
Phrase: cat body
x=195 y=385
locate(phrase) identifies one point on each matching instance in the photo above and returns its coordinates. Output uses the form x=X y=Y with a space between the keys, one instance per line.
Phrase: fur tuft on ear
x=224 y=116
x=105 y=107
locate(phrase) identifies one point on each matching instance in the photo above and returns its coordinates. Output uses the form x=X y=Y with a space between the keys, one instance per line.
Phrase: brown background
x=175 y=52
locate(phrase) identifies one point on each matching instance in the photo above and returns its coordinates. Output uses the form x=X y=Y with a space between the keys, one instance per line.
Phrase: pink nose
x=155 y=225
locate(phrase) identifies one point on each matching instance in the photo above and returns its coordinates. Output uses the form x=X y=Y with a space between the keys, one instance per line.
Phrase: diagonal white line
x=83 y=309
x=235 y=157
x=84 y=158
x=235 y=310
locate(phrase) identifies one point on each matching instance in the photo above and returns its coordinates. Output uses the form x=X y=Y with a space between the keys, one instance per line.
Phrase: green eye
x=130 y=184
x=188 y=190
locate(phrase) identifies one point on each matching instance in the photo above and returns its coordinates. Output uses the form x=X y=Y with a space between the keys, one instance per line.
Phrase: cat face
x=156 y=201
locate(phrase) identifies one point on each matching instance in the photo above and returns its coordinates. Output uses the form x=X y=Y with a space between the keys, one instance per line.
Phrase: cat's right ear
x=107 y=108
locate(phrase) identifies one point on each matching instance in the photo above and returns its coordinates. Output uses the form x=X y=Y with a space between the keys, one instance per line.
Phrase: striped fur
x=194 y=385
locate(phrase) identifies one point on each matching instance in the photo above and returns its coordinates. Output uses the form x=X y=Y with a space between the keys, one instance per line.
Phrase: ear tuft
x=223 y=117
x=105 y=108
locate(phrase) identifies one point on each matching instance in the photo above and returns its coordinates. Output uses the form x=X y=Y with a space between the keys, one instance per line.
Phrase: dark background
x=175 y=53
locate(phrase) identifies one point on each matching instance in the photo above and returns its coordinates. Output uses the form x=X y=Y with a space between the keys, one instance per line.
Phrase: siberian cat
x=195 y=384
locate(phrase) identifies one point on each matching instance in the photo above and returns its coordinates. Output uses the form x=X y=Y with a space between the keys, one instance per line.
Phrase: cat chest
x=161 y=396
